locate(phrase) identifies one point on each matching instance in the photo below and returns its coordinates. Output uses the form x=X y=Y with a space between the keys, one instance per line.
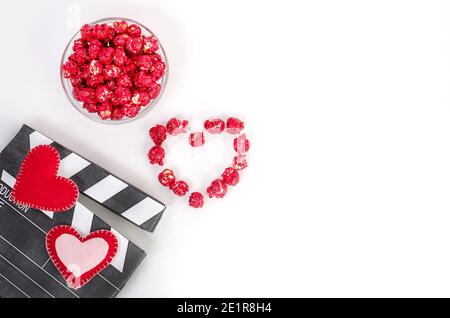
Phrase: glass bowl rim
x=68 y=88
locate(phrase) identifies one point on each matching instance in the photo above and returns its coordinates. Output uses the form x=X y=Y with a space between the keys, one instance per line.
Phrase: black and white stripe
x=105 y=188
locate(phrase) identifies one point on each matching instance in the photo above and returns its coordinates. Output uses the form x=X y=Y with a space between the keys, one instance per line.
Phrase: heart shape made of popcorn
x=219 y=186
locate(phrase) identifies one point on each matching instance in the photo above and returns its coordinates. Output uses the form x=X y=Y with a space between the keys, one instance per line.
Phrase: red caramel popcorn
x=240 y=162
x=175 y=126
x=219 y=186
x=196 y=200
x=150 y=44
x=158 y=134
x=214 y=126
x=156 y=155
x=241 y=144
x=120 y=27
x=114 y=69
x=134 y=45
x=167 y=178
x=131 y=110
x=234 y=125
x=180 y=188
x=197 y=139
x=134 y=30
x=230 y=176
x=217 y=189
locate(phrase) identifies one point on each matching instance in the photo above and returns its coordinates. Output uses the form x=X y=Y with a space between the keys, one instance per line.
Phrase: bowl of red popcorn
x=114 y=70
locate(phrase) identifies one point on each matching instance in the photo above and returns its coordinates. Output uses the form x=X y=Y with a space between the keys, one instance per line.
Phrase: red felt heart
x=38 y=186
x=77 y=258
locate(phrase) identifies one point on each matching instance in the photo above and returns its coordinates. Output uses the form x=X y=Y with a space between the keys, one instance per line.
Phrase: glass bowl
x=67 y=85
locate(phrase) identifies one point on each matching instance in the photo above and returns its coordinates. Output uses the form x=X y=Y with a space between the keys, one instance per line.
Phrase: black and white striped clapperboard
x=25 y=267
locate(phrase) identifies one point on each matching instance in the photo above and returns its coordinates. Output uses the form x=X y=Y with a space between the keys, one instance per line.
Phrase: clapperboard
x=25 y=267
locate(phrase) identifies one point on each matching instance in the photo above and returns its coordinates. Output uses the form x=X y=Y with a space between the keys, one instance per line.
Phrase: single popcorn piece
x=175 y=126
x=103 y=94
x=120 y=26
x=241 y=144
x=94 y=48
x=123 y=94
x=240 y=162
x=78 y=45
x=197 y=139
x=120 y=40
x=124 y=81
x=106 y=55
x=70 y=69
x=234 y=125
x=217 y=189
x=155 y=57
x=180 y=188
x=158 y=134
x=230 y=176
x=104 y=110
x=95 y=67
x=156 y=155
x=111 y=85
x=84 y=94
x=134 y=30
x=103 y=32
x=214 y=126
x=166 y=178
x=86 y=32
x=90 y=107
x=142 y=80
x=111 y=71
x=76 y=79
x=120 y=57
x=95 y=80
x=117 y=113
x=158 y=70
x=150 y=44
x=134 y=45
x=130 y=68
x=154 y=90
x=144 y=62
x=196 y=200
x=131 y=110
x=141 y=98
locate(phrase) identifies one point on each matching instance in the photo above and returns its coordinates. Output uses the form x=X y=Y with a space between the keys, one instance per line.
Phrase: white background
x=347 y=106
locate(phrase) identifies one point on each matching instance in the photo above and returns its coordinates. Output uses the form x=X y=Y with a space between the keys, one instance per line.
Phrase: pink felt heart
x=77 y=258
